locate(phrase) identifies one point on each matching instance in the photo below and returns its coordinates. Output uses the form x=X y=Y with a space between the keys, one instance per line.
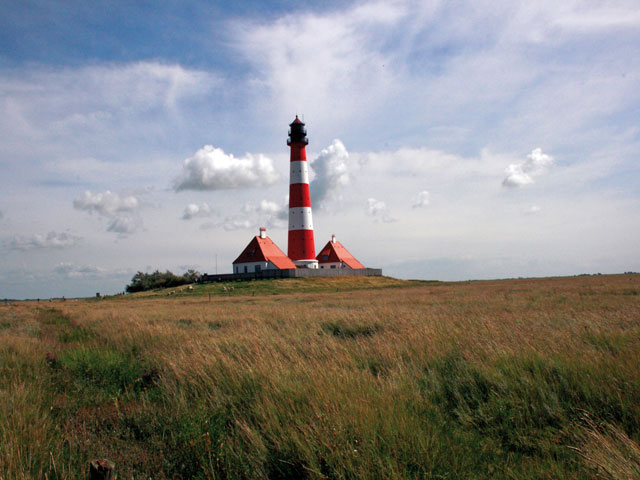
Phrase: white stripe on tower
x=299 y=172
x=300 y=218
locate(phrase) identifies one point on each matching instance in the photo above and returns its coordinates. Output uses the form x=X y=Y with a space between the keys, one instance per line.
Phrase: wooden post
x=101 y=469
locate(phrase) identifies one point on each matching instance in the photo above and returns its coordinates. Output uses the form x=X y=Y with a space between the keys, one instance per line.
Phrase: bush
x=149 y=281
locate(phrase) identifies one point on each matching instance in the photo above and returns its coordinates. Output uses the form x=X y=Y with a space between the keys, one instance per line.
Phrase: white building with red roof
x=261 y=254
x=334 y=255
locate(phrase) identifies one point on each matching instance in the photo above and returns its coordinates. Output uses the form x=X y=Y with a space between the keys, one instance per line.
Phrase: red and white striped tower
x=301 y=247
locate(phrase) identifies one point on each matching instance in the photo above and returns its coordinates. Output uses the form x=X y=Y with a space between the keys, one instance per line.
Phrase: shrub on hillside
x=149 y=281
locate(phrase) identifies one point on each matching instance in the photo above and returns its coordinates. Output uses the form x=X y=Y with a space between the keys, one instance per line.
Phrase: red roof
x=264 y=250
x=335 y=252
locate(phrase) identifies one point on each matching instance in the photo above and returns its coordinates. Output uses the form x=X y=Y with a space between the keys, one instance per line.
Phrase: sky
x=448 y=140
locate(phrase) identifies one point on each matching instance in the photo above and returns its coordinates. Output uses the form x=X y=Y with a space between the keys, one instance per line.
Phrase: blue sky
x=448 y=140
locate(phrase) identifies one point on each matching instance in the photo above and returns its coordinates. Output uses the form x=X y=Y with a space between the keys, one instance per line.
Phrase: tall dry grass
x=608 y=450
x=340 y=380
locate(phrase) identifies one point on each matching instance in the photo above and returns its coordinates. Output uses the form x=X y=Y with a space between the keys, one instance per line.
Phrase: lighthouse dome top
x=297 y=133
x=297 y=121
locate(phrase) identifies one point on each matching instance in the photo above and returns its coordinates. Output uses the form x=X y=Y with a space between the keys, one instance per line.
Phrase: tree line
x=150 y=281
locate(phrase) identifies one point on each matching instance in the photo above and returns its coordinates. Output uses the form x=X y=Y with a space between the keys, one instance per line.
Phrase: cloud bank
x=71 y=270
x=121 y=210
x=332 y=174
x=336 y=55
x=52 y=240
x=212 y=169
x=75 y=112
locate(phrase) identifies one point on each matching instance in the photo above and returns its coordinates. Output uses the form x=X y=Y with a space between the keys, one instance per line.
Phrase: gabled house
x=261 y=254
x=334 y=255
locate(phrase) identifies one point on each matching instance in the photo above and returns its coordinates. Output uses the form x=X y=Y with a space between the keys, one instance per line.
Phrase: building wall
x=334 y=272
x=330 y=265
x=251 y=267
x=293 y=273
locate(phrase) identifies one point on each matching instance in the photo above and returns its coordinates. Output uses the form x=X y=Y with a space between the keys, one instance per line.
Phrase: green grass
x=102 y=372
x=286 y=286
x=66 y=330
x=345 y=330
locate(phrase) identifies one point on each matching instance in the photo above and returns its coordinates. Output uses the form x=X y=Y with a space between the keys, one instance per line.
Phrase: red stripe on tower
x=301 y=248
x=299 y=195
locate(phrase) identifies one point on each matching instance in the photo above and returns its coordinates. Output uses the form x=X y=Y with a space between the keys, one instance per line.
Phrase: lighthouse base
x=313 y=263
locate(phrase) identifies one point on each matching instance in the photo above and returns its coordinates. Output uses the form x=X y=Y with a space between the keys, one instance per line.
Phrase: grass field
x=328 y=378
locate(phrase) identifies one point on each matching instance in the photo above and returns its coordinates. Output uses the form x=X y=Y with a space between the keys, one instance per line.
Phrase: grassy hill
x=328 y=378
x=283 y=286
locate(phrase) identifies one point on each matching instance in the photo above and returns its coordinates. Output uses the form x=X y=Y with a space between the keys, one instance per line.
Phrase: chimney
x=263 y=232
x=333 y=239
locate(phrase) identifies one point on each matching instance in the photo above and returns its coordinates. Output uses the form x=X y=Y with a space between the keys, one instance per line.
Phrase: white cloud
x=235 y=223
x=506 y=65
x=269 y=207
x=102 y=89
x=194 y=210
x=120 y=210
x=378 y=209
x=264 y=213
x=533 y=209
x=70 y=270
x=331 y=174
x=267 y=213
x=212 y=169
x=520 y=174
x=52 y=240
x=375 y=207
x=516 y=177
x=276 y=213
x=229 y=224
x=339 y=56
x=106 y=203
x=125 y=224
x=77 y=112
x=146 y=83
x=599 y=18
x=421 y=199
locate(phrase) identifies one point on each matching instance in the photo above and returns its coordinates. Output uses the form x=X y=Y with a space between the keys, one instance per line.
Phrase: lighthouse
x=301 y=248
